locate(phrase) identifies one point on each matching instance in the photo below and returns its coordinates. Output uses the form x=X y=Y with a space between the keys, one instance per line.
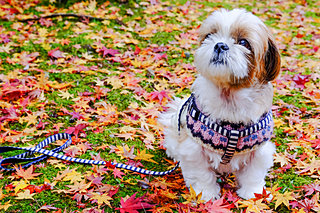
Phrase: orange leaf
x=26 y=174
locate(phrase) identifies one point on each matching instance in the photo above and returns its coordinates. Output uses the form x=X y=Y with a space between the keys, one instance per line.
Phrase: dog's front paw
x=248 y=192
x=209 y=192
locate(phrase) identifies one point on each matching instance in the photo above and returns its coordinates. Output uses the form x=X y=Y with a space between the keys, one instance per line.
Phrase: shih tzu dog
x=226 y=124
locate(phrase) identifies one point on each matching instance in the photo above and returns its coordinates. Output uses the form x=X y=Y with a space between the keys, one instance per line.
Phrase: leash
x=54 y=153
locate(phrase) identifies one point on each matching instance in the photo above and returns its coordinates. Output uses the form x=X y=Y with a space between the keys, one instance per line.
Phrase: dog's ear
x=272 y=61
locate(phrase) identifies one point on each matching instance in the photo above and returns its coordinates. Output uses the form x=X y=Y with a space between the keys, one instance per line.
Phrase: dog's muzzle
x=220 y=50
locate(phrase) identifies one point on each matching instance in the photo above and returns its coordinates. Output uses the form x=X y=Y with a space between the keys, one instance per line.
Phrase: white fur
x=200 y=165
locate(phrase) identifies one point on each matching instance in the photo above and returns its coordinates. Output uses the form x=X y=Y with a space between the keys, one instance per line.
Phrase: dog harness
x=225 y=137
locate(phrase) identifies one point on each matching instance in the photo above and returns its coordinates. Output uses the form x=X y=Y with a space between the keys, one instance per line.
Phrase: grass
x=83 y=86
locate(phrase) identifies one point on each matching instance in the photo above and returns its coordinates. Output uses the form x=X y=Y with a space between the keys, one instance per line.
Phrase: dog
x=226 y=124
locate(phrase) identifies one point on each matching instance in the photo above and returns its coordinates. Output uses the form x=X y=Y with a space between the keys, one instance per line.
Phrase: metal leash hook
x=54 y=153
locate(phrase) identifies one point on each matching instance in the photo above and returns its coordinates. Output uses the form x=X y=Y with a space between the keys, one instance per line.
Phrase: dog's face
x=237 y=50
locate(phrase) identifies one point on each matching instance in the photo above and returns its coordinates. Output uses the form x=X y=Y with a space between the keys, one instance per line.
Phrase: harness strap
x=183 y=107
x=54 y=153
x=231 y=146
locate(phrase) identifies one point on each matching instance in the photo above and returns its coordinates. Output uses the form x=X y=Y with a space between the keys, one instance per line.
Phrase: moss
x=161 y=38
x=121 y=100
x=296 y=100
x=290 y=180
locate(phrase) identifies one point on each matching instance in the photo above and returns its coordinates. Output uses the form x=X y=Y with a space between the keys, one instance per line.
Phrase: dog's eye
x=245 y=43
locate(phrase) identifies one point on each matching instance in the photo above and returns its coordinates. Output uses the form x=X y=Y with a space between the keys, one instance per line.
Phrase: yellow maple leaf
x=42 y=32
x=66 y=95
x=192 y=197
x=115 y=82
x=59 y=165
x=73 y=177
x=136 y=63
x=254 y=206
x=46 y=46
x=278 y=123
x=25 y=195
x=274 y=190
x=169 y=194
x=280 y=158
x=101 y=199
x=283 y=198
x=20 y=185
x=30 y=118
x=6 y=48
x=129 y=181
x=144 y=156
x=1 y=194
x=309 y=168
x=122 y=149
x=80 y=187
x=5 y=206
x=59 y=86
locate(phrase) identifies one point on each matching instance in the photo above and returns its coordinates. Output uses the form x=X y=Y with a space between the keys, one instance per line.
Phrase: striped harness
x=225 y=137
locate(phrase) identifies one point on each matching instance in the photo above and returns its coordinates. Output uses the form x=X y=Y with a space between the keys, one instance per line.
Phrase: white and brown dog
x=226 y=124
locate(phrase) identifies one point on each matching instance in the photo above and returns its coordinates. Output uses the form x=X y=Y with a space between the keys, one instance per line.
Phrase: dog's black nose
x=221 y=47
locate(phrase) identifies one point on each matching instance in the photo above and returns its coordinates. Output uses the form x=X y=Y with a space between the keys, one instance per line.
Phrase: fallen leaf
x=132 y=204
x=26 y=174
x=25 y=195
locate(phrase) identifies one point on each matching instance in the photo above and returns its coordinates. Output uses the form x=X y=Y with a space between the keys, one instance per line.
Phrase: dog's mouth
x=218 y=60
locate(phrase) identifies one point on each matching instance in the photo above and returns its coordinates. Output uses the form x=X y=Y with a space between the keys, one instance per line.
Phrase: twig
x=70 y=15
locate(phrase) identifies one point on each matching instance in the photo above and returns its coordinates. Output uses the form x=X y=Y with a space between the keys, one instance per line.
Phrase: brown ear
x=272 y=61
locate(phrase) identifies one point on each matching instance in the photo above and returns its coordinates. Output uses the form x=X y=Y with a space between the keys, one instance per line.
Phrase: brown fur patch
x=213 y=30
x=263 y=69
x=239 y=32
x=272 y=61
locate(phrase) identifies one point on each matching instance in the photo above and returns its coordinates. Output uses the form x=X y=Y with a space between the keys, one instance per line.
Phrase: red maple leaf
x=316 y=144
x=137 y=50
x=158 y=95
x=76 y=115
x=41 y=125
x=109 y=164
x=311 y=188
x=14 y=90
x=219 y=205
x=76 y=130
x=117 y=173
x=264 y=195
x=72 y=151
x=158 y=56
x=132 y=204
x=300 y=80
x=96 y=180
x=47 y=208
x=56 y=53
x=110 y=52
x=46 y=22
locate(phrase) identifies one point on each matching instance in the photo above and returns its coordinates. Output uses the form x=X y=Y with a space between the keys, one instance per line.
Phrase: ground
x=106 y=72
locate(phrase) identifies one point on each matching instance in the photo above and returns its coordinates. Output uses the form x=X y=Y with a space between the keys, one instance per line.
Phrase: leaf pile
x=106 y=72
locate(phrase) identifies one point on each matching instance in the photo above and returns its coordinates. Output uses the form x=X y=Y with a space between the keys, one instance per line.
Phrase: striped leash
x=54 y=153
